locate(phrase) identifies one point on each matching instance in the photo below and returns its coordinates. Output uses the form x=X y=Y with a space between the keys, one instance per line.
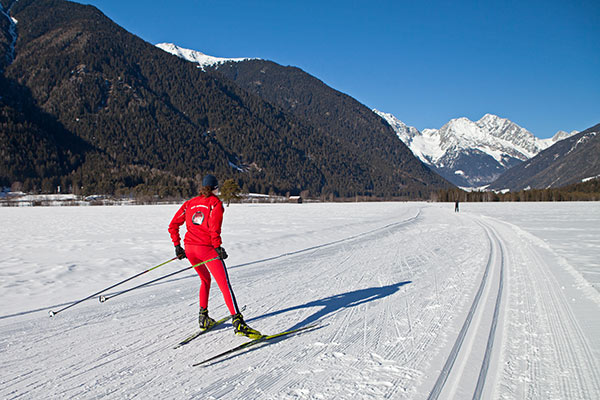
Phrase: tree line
x=583 y=191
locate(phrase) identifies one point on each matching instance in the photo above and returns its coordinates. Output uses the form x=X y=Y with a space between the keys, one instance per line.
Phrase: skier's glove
x=179 y=252
x=221 y=252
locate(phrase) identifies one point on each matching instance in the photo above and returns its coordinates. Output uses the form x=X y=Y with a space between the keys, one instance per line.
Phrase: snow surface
x=413 y=301
x=570 y=229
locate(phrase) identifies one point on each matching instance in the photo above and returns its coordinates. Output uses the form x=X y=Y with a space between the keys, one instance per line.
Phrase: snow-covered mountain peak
x=493 y=132
x=505 y=129
x=196 y=56
x=560 y=135
x=461 y=129
x=494 y=121
x=477 y=151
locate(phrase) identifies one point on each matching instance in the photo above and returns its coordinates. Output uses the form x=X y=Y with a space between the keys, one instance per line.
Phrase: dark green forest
x=90 y=107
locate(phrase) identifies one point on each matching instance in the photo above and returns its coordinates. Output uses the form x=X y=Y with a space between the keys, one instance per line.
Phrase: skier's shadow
x=330 y=305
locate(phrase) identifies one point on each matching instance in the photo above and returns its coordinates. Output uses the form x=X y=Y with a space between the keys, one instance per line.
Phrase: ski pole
x=103 y=298
x=53 y=313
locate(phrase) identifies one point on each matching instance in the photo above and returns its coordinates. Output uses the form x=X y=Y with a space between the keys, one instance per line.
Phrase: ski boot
x=242 y=329
x=204 y=320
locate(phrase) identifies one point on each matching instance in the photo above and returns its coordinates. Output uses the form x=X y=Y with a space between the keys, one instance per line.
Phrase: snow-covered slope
x=411 y=300
x=197 y=57
x=558 y=136
x=472 y=153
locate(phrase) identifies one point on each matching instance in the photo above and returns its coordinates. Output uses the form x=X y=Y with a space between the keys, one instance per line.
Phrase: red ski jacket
x=203 y=217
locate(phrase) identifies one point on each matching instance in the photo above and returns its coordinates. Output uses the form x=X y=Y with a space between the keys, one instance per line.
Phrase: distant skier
x=456 y=206
x=203 y=217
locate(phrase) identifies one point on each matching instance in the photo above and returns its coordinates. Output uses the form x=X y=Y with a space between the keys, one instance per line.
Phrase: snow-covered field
x=571 y=229
x=412 y=300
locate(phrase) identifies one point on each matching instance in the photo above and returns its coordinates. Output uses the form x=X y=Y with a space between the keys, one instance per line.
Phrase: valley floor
x=412 y=300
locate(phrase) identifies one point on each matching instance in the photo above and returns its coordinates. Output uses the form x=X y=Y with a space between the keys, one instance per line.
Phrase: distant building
x=295 y=199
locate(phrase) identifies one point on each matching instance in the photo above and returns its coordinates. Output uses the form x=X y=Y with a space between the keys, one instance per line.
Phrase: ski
x=202 y=332
x=253 y=342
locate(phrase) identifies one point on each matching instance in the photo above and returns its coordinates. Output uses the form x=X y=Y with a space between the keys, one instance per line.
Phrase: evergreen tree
x=229 y=190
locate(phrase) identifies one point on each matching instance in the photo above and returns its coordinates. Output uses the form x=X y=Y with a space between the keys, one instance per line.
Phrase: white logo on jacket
x=198 y=218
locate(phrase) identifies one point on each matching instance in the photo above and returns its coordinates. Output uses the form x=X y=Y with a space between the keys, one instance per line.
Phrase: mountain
x=471 y=154
x=569 y=161
x=369 y=143
x=89 y=106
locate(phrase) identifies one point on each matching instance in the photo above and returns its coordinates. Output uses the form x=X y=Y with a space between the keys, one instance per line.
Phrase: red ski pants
x=217 y=269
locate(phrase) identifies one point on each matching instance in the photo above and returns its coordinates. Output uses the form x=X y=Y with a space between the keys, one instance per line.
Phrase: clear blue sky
x=536 y=63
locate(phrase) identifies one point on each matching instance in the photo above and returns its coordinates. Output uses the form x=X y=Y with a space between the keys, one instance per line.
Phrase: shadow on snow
x=330 y=305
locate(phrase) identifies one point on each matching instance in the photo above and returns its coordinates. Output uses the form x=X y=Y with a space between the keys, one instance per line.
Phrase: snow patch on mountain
x=590 y=178
x=197 y=57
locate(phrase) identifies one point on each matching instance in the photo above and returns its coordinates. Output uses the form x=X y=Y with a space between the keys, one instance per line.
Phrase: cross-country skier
x=203 y=216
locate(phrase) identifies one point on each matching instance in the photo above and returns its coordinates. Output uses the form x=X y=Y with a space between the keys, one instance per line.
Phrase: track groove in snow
x=542 y=331
x=467 y=347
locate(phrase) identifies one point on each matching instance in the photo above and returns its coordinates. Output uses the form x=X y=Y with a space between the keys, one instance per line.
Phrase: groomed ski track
x=428 y=304
x=483 y=317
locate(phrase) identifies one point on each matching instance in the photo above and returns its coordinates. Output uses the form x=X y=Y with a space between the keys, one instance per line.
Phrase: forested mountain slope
x=93 y=108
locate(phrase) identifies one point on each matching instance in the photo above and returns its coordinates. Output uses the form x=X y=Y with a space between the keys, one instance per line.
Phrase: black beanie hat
x=210 y=180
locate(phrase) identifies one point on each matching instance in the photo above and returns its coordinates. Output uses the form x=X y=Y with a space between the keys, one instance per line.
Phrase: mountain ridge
x=333 y=114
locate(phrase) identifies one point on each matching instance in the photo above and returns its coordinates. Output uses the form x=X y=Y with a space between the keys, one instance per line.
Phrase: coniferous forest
x=91 y=108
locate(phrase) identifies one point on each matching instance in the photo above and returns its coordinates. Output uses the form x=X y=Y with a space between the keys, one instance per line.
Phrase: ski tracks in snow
x=460 y=300
x=465 y=371
x=520 y=338
x=385 y=302
x=545 y=352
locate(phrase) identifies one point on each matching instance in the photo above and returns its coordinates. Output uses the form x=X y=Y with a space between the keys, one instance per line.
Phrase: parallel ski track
x=349 y=239
x=490 y=344
x=495 y=246
x=424 y=317
x=407 y=221
x=568 y=348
